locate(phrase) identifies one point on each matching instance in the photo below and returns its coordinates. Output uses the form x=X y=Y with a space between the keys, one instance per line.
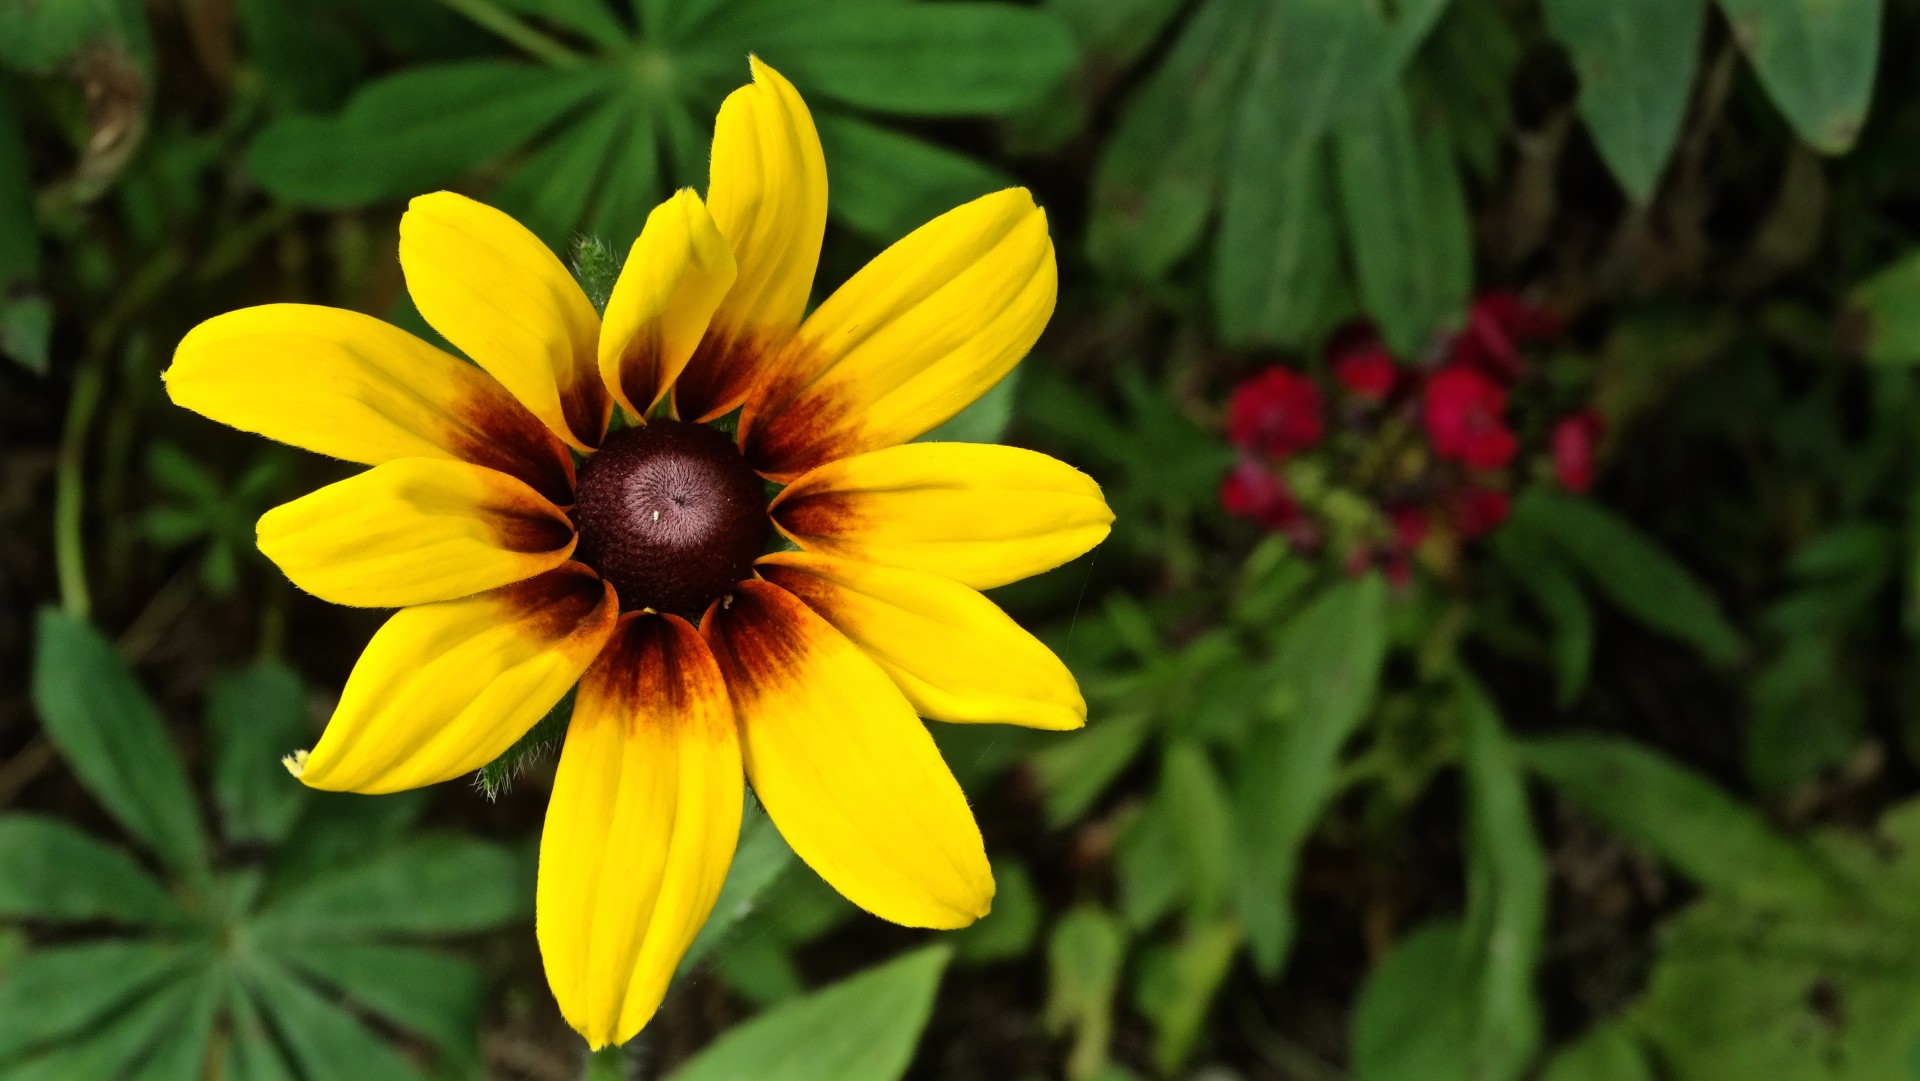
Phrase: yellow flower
x=515 y=579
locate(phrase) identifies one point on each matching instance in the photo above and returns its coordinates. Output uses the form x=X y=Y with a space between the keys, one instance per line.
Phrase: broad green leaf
x=1412 y=1022
x=634 y=181
x=19 y=228
x=1201 y=824
x=324 y=1041
x=1007 y=932
x=1150 y=865
x=1683 y=818
x=1161 y=168
x=1506 y=897
x=110 y=733
x=1629 y=569
x=41 y=37
x=919 y=59
x=1888 y=307
x=417 y=130
x=26 y=331
x=863 y=1028
x=427 y=885
x=1406 y=220
x=1608 y=1053
x=885 y=184
x=761 y=857
x=255 y=716
x=1187 y=979
x=125 y=1045
x=592 y=19
x=63 y=993
x=1083 y=975
x=551 y=190
x=341 y=829
x=50 y=870
x=1635 y=60
x=1327 y=669
x=1279 y=251
x=1817 y=60
x=1076 y=768
x=429 y=993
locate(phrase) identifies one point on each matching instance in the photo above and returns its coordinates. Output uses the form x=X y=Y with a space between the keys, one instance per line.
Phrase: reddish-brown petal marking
x=550 y=606
x=639 y=368
x=751 y=632
x=801 y=511
x=585 y=404
x=722 y=372
x=791 y=424
x=658 y=670
x=498 y=432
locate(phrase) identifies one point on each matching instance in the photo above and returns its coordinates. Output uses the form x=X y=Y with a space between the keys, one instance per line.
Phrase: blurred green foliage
x=1673 y=719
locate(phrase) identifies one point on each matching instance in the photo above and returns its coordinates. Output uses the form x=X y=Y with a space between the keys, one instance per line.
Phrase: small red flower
x=1253 y=491
x=1497 y=324
x=1410 y=526
x=1476 y=512
x=1574 y=439
x=1465 y=418
x=1368 y=374
x=1277 y=413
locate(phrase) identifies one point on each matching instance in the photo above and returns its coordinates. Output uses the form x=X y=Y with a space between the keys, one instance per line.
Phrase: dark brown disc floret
x=671 y=514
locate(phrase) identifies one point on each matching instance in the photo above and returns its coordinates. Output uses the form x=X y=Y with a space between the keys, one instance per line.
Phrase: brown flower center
x=671 y=514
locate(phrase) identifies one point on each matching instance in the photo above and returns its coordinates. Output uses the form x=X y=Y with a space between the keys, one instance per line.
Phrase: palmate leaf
x=58 y=995
x=425 y=885
x=429 y=993
x=142 y=1041
x=324 y=1042
x=255 y=716
x=51 y=871
x=108 y=730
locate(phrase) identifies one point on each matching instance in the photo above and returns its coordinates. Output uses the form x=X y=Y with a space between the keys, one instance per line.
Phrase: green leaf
x=1552 y=588
x=1278 y=259
x=341 y=829
x=255 y=716
x=1075 y=769
x=1506 y=897
x=759 y=860
x=1412 y=1020
x=1887 y=307
x=1007 y=932
x=127 y=1046
x=181 y=1051
x=1327 y=668
x=1608 y=1053
x=41 y=37
x=65 y=993
x=1149 y=864
x=1683 y=818
x=324 y=1041
x=1406 y=218
x=252 y=1053
x=112 y=736
x=50 y=870
x=426 y=992
x=427 y=885
x=886 y=184
x=416 y=131
x=1083 y=974
x=26 y=331
x=1629 y=569
x=1201 y=823
x=1635 y=60
x=592 y=19
x=1161 y=168
x=1191 y=975
x=1816 y=59
x=551 y=190
x=919 y=59
x=863 y=1028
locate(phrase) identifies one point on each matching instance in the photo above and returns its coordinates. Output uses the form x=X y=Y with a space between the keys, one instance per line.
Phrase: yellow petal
x=413 y=531
x=952 y=652
x=345 y=384
x=641 y=827
x=928 y=326
x=844 y=768
x=445 y=688
x=501 y=296
x=768 y=195
x=982 y=514
x=671 y=283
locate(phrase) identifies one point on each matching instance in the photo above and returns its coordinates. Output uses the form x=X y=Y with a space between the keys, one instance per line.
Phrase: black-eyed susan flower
x=516 y=575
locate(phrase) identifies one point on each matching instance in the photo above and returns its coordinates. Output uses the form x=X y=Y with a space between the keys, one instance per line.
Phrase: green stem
x=503 y=23
x=69 y=492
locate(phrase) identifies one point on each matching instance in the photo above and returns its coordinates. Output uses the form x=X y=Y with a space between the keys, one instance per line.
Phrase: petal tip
x=296 y=764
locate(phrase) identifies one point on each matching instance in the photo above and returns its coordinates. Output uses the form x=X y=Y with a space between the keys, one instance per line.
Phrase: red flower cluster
x=1437 y=442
